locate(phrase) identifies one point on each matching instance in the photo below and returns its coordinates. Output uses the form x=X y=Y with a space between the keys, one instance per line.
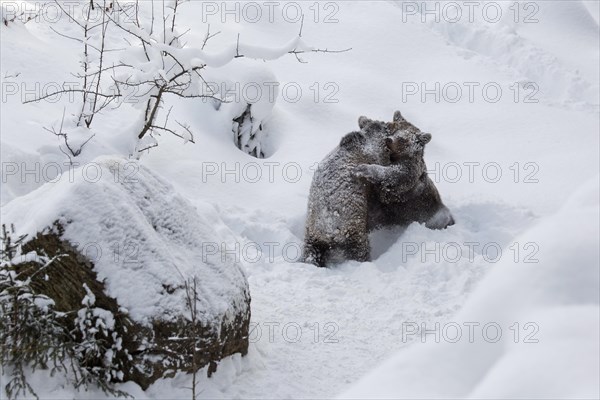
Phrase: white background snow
x=344 y=331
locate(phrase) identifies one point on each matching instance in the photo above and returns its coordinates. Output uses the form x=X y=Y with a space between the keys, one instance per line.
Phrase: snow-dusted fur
x=402 y=198
x=376 y=177
x=336 y=227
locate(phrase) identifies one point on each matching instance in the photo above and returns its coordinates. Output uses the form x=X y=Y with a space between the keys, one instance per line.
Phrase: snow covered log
x=146 y=265
x=247 y=133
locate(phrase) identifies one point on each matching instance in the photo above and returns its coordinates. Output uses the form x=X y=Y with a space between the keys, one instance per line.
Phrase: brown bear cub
x=376 y=177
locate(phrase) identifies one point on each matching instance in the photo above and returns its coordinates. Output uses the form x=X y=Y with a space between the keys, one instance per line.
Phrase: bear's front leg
x=379 y=174
x=370 y=172
x=431 y=209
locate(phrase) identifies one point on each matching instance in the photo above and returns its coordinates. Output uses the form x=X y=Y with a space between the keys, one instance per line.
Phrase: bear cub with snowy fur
x=375 y=178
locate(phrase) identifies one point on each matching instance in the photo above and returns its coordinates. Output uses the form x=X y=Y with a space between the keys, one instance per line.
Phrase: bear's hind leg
x=315 y=253
x=441 y=219
x=357 y=248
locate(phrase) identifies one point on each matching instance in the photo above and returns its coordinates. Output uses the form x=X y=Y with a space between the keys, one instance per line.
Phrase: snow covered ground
x=513 y=106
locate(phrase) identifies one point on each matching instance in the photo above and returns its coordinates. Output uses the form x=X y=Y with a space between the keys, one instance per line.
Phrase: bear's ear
x=398 y=117
x=424 y=138
x=363 y=121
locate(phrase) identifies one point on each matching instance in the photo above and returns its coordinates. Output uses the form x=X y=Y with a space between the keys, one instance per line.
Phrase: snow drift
x=552 y=352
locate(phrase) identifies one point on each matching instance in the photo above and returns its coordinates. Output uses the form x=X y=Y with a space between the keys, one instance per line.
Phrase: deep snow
x=352 y=318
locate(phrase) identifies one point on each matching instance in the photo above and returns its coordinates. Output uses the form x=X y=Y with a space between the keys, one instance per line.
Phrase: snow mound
x=547 y=313
x=145 y=240
x=535 y=41
x=249 y=91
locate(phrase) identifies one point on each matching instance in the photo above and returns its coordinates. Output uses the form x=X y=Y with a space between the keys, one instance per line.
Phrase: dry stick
x=114 y=66
x=124 y=10
x=69 y=15
x=300 y=35
x=194 y=341
x=171 y=131
x=99 y=75
x=167 y=116
x=74 y=38
x=208 y=36
x=85 y=65
x=108 y=101
x=65 y=138
x=209 y=88
x=152 y=115
x=152 y=21
x=67 y=91
x=238 y=55
x=137 y=23
x=187 y=128
x=148 y=147
x=164 y=18
x=192 y=304
x=13 y=19
x=177 y=37
x=174 y=14
x=118 y=25
x=137 y=12
x=164 y=88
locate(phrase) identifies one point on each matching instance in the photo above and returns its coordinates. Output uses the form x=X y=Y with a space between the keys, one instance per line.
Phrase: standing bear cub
x=376 y=177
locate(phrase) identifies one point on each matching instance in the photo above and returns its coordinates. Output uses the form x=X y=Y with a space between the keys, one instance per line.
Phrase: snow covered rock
x=152 y=266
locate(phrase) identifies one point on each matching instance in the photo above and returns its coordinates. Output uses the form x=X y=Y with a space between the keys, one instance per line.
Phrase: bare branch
x=301 y=26
x=65 y=138
x=320 y=51
x=16 y=75
x=172 y=132
x=153 y=145
x=68 y=15
x=68 y=91
x=187 y=128
x=237 y=47
x=299 y=59
x=208 y=37
x=101 y=61
x=178 y=36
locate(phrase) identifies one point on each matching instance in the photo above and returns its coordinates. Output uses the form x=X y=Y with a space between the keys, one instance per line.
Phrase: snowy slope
x=351 y=317
x=553 y=352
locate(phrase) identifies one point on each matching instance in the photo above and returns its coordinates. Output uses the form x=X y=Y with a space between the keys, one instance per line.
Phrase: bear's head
x=405 y=146
x=403 y=141
x=373 y=128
